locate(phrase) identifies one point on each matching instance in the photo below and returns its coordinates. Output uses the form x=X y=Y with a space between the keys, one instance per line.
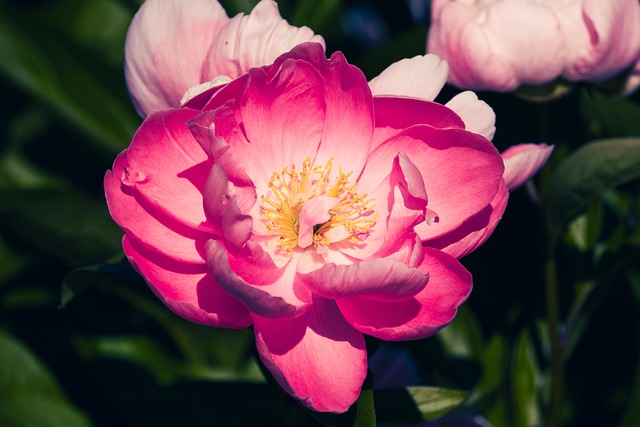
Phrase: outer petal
x=153 y=229
x=478 y=117
x=394 y=114
x=456 y=38
x=168 y=167
x=378 y=279
x=474 y=231
x=187 y=289
x=317 y=358
x=276 y=300
x=165 y=47
x=605 y=37
x=418 y=77
x=418 y=317
x=253 y=41
x=522 y=161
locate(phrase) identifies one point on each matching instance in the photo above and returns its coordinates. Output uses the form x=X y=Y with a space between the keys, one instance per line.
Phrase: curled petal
x=317 y=358
x=478 y=117
x=165 y=47
x=419 y=316
x=276 y=300
x=188 y=290
x=379 y=279
x=522 y=161
x=421 y=77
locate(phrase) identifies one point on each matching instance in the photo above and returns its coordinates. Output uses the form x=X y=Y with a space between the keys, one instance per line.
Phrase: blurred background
x=83 y=342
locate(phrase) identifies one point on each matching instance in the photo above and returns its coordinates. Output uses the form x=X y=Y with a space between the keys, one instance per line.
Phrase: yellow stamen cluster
x=290 y=189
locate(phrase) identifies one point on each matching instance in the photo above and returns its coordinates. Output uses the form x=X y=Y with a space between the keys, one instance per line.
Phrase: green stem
x=557 y=365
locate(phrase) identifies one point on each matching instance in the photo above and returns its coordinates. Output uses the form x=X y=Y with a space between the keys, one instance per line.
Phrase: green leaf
x=72 y=81
x=75 y=229
x=585 y=175
x=415 y=404
x=463 y=337
x=610 y=117
x=29 y=395
x=365 y=411
x=525 y=376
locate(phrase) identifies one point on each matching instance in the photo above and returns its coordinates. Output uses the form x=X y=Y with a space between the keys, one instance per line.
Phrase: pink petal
x=253 y=41
x=317 y=358
x=168 y=167
x=522 y=161
x=456 y=38
x=474 y=231
x=417 y=317
x=418 y=77
x=282 y=118
x=605 y=37
x=153 y=229
x=276 y=300
x=393 y=115
x=378 y=279
x=462 y=172
x=188 y=290
x=165 y=47
x=478 y=117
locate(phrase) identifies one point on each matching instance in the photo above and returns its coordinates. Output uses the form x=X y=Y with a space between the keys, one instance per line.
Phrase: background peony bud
x=502 y=44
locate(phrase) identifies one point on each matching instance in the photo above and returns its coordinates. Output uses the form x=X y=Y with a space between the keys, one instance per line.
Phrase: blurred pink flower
x=501 y=44
x=294 y=200
x=176 y=49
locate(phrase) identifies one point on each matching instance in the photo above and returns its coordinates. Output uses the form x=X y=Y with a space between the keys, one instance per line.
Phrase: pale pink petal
x=522 y=161
x=188 y=290
x=317 y=358
x=527 y=36
x=478 y=117
x=253 y=40
x=393 y=115
x=276 y=300
x=605 y=37
x=455 y=37
x=461 y=170
x=474 y=231
x=417 y=317
x=165 y=48
x=421 y=77
x=378 y=279
x=153 y=229
x=633 y=80
x=168 y=167
x=282 y=117
x=313 y=212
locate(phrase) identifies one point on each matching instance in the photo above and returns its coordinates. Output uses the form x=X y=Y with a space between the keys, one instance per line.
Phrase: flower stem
x=557 y=365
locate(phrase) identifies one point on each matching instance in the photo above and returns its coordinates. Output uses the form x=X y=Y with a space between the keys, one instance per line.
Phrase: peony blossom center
x=304 y=208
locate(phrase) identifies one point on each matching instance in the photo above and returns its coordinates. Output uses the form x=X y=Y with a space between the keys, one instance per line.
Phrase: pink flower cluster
x=299 y=198
x=502 y=44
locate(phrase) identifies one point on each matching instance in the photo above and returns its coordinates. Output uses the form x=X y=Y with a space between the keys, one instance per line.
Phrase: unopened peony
x=502 y=44
x=294 y=200
x=176 y=48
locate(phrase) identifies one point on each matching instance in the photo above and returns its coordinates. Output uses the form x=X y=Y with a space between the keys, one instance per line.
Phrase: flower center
x=304 y=208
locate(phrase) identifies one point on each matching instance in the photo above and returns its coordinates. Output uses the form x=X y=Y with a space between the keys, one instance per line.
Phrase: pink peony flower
x=294 y=200
x=175 y=49
x=501 y=44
